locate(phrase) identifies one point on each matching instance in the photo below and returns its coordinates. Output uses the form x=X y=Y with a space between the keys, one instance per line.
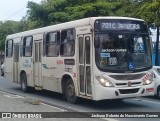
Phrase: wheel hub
x=70 y=90
x=23 y=85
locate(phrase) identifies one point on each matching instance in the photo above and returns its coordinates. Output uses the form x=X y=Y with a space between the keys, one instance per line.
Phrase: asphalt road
x=145 y=104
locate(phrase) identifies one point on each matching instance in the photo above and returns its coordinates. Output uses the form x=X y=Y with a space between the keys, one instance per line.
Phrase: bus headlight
x=104 y=82
x=146 y=82
x=147 y=79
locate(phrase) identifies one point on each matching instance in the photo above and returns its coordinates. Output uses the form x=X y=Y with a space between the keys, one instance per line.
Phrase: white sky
x=154 y=34
x=13 y=9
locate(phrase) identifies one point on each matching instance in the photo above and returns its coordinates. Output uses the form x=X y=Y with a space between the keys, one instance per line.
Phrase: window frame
x=23 y=46
x=62 y=43
x=7 y=48
x=57 y=43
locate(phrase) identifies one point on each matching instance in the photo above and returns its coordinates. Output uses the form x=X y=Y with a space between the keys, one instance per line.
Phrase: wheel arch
x=63 y=81
x=22 y=71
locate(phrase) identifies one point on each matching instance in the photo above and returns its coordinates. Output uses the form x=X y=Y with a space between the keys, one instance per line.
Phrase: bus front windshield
x=122 y=51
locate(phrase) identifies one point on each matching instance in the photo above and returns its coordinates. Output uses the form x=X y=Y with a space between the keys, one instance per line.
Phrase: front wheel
x=23 y=83
x=70 y=91
x=2 y=72
x=158 y=92
x=117 y=100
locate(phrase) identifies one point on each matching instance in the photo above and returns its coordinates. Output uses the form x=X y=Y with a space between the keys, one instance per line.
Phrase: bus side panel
x=9 y=68
x=53 y=69
x=51 y=73
x=9 y=62
x=27 y=66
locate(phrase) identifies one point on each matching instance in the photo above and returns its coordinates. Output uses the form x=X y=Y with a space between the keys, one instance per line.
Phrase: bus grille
x=125 y=84
x=128 y=91
x=127 y=77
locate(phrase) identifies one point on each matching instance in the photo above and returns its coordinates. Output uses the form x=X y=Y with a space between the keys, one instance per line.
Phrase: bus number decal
x=59 y=62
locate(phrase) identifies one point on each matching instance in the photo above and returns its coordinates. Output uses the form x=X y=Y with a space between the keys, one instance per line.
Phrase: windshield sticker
x=131 y=65
x=141 y=47
x=105 y=55
x=104 y=61
x=113 y=50
x=112 y=61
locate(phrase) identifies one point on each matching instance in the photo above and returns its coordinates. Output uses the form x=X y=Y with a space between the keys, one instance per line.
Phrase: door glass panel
x=40 y=52
x=81 y=50
x=88 y=79
x=87 y=48
x=84 y=65
x=81 y=70
x=16 y=53
x=36 y=52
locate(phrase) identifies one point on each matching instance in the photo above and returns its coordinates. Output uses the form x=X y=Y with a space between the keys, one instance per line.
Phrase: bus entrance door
x=37 y=68
x=84 y=49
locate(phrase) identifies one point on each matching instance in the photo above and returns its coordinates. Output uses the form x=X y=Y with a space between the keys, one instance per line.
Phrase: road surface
x=144 y=104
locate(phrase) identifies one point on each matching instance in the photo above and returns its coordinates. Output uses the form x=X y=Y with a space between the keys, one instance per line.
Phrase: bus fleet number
x=59 y=62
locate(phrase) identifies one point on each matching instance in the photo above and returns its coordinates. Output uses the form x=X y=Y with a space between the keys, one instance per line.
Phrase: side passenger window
x=52 y=44
x=9 y=48
x=26 y=46
x=68 y=42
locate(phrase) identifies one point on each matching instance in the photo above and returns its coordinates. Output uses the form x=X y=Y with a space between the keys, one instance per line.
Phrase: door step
x=38 y=88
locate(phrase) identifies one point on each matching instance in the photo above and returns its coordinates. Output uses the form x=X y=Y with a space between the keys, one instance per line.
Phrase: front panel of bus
x=122 y=59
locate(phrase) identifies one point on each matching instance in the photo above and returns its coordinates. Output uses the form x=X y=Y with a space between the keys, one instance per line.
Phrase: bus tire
x=69 y=91
x=158 y=92
x=117 y=100
x=23 y=83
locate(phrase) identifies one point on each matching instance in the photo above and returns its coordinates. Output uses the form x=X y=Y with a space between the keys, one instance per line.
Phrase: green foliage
x=125 y=8
x=50 y=12
x=6 y=28
x=37 y=15
x=149 y=10
x=59 y=11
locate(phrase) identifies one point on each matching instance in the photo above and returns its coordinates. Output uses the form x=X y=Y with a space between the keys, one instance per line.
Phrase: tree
x=6 y=28
x=58 y=11
x=36 y=15
x=125 y=8
x=150 y=12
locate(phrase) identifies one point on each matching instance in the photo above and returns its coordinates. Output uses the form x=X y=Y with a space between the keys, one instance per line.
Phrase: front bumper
x=102 y=93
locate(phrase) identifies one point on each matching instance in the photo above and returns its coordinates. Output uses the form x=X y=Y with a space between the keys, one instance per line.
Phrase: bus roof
x=71 y=24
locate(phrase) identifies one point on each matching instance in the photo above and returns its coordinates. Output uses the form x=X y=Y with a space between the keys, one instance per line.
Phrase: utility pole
x=157 y=47
x=157 y=41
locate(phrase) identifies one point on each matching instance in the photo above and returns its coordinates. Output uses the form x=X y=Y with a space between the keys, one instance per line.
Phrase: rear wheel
x=70 y=91
x=23 y=83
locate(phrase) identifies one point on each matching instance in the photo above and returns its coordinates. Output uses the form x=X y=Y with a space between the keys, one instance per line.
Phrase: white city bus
x=95 y=58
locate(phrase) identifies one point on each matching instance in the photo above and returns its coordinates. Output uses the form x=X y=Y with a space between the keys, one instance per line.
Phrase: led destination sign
x=119 y=26
x=126 y=25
